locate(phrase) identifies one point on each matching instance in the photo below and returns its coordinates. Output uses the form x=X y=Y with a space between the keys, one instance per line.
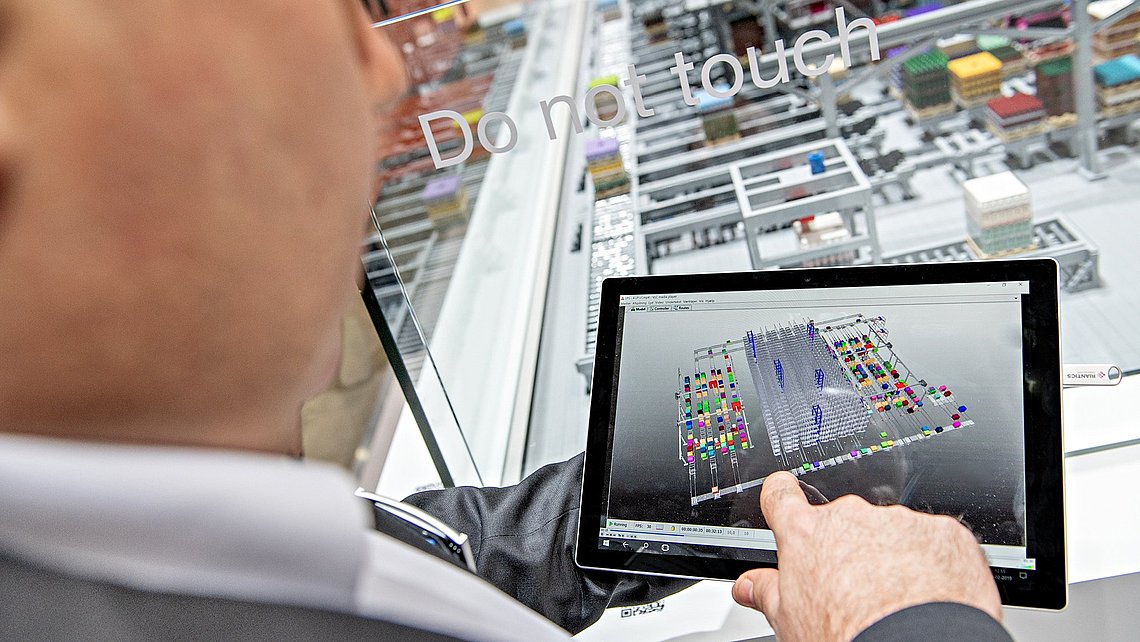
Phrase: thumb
x=758 y=589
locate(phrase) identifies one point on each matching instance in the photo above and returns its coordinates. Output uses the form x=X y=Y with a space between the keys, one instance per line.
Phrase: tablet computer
x=936 y=386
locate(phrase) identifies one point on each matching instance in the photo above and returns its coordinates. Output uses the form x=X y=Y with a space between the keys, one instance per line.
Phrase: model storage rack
x=901 y=407
x=711 y=420
x=792 y=367
x=829 y=393
x=685 y=197
x=779 y=188
x=612 y=233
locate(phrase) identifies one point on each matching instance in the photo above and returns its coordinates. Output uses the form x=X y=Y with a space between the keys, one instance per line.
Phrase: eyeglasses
x=426 y=532
x=380 y=14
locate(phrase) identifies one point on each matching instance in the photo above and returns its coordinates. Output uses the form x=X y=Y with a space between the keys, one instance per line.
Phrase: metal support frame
x=827 y=104
x=1032 y=33
x=787 y=191
x=1086 y=134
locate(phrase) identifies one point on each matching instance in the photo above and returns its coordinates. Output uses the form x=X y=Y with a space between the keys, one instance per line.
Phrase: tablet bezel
x=1044 y=588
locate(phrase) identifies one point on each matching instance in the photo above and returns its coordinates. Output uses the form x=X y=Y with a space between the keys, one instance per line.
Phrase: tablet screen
x=909 y=394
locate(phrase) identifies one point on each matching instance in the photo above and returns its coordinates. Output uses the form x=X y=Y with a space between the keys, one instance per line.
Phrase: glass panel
x=891 y=159
x=472 y=238
x=428 y=407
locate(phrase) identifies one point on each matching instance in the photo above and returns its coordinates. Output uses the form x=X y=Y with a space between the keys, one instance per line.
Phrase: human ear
x=382 y=63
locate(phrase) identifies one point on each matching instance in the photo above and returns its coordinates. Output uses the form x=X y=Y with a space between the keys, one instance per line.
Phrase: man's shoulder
x=934 y=622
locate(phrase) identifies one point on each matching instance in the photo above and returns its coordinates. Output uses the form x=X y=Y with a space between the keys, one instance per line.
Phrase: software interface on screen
x=901 y=394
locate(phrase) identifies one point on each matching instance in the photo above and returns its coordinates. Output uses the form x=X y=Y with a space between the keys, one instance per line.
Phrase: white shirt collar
x=184 y=520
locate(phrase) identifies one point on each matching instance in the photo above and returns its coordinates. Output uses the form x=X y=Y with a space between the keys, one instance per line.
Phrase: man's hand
x=848 y=564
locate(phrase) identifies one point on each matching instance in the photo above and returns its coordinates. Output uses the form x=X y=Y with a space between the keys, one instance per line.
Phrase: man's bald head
x=182 y=191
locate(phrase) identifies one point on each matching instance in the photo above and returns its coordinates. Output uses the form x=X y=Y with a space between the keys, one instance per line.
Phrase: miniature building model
x=445 y=199
x=515 y=30
x=717 y=117
x=1055 y=86
x=1015 y=117
x=999 y=219
x=1120 y=39
x=814 y=232
x=975 y=79
x=605 y=103
x=926 y=85
x=1012 y=61
x=1118 y=85
x=607 y=170
x=609 y=9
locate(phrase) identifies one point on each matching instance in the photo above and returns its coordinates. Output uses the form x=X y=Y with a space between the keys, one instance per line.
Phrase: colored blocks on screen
x=938 y=429
x=957 y=424
x=807 y=466
x=884 y=444
x=961 y=409
x=865 y=451
x=883 y=435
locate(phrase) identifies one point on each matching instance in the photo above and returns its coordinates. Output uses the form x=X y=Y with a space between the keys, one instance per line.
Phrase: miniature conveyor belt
x=1056 y=238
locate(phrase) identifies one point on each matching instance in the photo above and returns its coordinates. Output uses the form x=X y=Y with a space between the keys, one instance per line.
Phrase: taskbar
x=688 y=534
x=648 y=536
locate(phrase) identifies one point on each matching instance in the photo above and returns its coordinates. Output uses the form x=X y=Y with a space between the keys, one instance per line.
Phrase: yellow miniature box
x=974 y=66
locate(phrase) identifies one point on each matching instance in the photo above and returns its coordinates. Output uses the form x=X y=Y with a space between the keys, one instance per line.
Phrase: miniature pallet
x=934 y=111
x=1038 y=57
x=1063 y=121
x=613 y=191
x=1017 y=133
x=998 y=255
x=1121 y=109
x=971 y=103
x=1014 y=68
x=722 y=140
x=1124 y=88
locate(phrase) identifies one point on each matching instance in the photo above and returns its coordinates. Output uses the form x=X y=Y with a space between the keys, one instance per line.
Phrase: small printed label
x=1091 y=374
x=644 y=609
